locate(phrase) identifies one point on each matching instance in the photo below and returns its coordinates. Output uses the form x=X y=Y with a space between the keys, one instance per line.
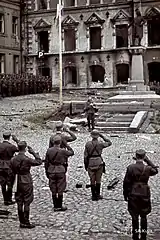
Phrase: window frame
x=15 y=26
x=3 y=22
x=15 y=64
x=2 y=55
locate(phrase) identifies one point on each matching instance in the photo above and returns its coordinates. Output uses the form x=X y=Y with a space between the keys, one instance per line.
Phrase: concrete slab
x=137 y=121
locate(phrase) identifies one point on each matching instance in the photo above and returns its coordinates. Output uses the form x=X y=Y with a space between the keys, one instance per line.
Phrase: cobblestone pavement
x=84 y=220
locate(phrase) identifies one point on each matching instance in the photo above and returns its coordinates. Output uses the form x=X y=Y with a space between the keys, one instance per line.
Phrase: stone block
x=137 y=121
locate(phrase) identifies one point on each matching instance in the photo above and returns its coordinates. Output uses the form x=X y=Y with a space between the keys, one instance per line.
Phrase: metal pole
x=60 y=54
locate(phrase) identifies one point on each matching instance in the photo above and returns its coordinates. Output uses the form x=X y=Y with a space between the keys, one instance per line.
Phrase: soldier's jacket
x=92 y=153
x=55 y=159
x=63 y=138
x=136 y=180
x=7 y=150
x=90 y=108
x=21 y=165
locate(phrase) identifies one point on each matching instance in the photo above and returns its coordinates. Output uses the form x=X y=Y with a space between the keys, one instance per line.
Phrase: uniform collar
x=139 y=161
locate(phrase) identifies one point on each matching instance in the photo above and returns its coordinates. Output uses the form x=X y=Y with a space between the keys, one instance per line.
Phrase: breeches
x=24 y=194
x=57 y=183
x=95 y=175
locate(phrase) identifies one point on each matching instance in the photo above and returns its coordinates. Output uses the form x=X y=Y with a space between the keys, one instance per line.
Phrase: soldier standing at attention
x=7 y=150
x=21 y=165
x=90 y=110
x=55 y=171
x=94 y=163
x=137 y=192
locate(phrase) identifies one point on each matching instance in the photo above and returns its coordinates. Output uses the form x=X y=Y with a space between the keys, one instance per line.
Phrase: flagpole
x=60 y=54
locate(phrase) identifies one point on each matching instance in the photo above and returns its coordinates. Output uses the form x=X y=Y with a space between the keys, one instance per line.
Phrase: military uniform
x=90 y=110
x=21 y=165
x=137 y=192
x=94 y=163
x=56 y=172
x=7 y=150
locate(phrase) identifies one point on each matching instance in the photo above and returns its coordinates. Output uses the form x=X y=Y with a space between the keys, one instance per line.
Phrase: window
x=1 y=23
x=15 y=25
x=121 y=36
x=69 y=3
x=43 y=41
x=95 y=38
x=16 y=64
x=94 y=1
x=70 y=39
x=42 y=4
x=153 y=31
x=2 y=63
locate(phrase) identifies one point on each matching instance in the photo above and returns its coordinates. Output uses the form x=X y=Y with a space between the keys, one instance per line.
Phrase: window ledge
x=154 y=46
x=3 y=35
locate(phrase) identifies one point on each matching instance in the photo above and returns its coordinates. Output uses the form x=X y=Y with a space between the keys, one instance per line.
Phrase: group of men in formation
x=17 y=166
x=16 y=84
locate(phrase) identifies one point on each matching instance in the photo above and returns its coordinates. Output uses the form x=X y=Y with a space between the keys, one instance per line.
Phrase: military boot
x=27 y=223
x=9 y=197
x=60 y=207
x=55 y=202
x=21 y=218
x=93 y=191
x=98 y=187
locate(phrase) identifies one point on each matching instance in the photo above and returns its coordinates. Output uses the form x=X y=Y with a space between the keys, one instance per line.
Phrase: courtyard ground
x=85 y=220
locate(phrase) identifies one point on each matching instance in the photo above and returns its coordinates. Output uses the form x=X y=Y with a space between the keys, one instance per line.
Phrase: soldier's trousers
x=6 y=185
x=135 y=226
x=57 y=183
x=91 y=121
x=95 y=175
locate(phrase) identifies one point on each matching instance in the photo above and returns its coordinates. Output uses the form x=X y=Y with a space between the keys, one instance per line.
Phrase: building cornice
x=2 y=47
x=78 y=9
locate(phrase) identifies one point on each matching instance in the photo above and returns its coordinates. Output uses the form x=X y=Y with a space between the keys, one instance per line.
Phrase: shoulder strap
x=144 y=168
x=54 y=158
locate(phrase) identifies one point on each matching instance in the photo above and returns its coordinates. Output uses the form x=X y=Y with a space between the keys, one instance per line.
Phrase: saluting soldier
x=55 y=171
x=7 y=150
x=21 y=165
x=137 y=192
x=94 y=163
x=90 y=110
x=60 y=131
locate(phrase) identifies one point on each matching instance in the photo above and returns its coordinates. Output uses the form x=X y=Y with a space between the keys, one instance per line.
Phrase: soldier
x=64 y=137
x=60 y=131
x=7 y=150
x=90 y=110
x=56 y=172
x=137 y=192
x=94 y=163
x=21 y=165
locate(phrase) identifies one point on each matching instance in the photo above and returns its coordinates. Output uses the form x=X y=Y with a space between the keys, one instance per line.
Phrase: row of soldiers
x=16 y=84
x=135 y=185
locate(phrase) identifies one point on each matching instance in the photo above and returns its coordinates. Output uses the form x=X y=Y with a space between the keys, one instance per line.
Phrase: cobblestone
x=84 y=220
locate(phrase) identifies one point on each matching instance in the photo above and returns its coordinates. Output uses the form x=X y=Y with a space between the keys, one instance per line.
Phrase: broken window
x=1 y=23
x=121 y=36
x=153 y=31
x=97 y=73
x=95 y=38
x=42 y=4
x=70 y=75
x=69 y=3
x=70 y=39
x=94 y=1
x=122 y=73
x=43 y=41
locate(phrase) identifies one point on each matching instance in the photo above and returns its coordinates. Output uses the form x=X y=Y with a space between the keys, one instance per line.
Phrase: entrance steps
x=114 y=123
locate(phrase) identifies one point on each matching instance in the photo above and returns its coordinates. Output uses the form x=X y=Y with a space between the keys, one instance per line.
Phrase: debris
x=112 y=183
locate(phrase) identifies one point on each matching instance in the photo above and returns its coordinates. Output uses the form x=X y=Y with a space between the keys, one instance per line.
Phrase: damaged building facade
x=96 y=41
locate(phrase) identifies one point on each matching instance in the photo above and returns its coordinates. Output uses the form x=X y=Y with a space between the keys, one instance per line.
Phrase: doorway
x=122 y=73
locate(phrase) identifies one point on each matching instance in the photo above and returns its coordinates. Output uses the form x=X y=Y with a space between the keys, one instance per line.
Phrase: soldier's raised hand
x=30 y=150
x=14 y=138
